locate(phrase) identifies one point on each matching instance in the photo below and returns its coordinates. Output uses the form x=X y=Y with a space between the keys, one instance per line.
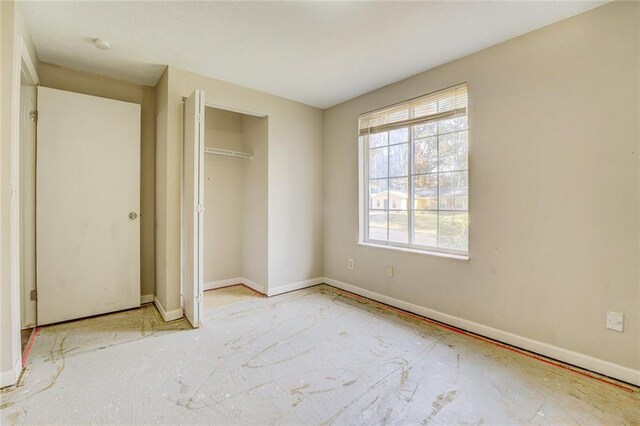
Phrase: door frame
x=27 y=203
x=23 y=67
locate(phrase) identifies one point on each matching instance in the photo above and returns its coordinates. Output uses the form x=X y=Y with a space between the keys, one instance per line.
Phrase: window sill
x=460 y=257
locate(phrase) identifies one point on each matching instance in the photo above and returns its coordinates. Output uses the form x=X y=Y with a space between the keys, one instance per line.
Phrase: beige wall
x=294 y=181
x=295 y=193
x=223 y=129
x=224 y=200
x=255 y=257
x=13 y=31
x=67 y=79
x=554 y=232
x=161 y=93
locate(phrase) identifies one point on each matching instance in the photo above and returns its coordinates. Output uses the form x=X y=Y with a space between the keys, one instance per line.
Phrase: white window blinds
x=447 y=103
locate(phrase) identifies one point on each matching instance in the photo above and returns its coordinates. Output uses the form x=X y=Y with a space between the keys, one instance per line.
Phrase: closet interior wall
x=235 y=199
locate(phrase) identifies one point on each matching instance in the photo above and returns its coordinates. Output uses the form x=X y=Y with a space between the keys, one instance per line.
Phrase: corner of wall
x=167 y=315
x=160 y=225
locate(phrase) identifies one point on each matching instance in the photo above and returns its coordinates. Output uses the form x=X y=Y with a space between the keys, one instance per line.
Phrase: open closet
x=235 y=199
x=225 y=202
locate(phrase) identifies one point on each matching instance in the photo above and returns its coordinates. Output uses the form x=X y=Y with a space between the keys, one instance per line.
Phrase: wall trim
x=295 y=286
x=254 y=286
x=234 y=281
x=581 y=360
x=212 y=285
x=10 y=377
x=146 y=298
x=167 y=315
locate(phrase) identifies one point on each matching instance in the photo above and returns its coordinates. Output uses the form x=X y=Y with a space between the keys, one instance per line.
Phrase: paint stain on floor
x=315 y=356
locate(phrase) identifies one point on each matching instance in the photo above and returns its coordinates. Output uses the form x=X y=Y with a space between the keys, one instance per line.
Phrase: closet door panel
x=193 y=208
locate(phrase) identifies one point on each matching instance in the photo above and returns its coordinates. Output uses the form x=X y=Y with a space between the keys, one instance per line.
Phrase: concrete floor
x=315 y=356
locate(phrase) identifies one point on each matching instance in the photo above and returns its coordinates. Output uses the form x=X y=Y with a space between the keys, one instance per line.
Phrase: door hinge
x=33 y=295
x=200 y=208
x=200 y=118
x=33 y=115
x=199 y=298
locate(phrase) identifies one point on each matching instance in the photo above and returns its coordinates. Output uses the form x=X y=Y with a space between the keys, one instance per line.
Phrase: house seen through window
x=415 y=173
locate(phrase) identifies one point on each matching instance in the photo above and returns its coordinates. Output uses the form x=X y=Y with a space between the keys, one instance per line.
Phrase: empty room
x=319 y=212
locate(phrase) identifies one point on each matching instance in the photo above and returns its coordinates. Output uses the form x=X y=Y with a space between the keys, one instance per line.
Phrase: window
x=415 y=173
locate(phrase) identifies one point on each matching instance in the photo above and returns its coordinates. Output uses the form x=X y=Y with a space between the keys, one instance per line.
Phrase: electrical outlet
x=350 y=264
x=389 y=271
x=615 y=321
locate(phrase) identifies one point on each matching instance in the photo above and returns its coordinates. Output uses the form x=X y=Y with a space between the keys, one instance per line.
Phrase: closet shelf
x=228 y=153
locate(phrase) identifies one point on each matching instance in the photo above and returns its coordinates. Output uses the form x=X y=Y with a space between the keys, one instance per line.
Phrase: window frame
x=364 y=196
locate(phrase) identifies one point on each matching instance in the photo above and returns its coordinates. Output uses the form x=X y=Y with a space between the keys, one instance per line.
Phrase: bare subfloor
x=24 y=337
x=314 y=356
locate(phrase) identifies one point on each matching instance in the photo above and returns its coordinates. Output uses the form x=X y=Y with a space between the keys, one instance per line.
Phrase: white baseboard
x=294 y=286
x=146 y=298
x=253 y=285
x=223 y=283
x=581 y=360
x=167 y=315
x=10 y=377
x=234 y=281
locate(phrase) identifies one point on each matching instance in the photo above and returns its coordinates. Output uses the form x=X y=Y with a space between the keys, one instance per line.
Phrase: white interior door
x=87 y=205
x=193 y=208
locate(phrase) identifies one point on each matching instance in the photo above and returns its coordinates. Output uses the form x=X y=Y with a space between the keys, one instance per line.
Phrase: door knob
x=133 y=215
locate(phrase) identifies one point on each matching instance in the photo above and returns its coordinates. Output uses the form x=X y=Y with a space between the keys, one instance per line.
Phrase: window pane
x=447 y=152
x=425 y=130
x=425 y=156
x=378 y=139
x=425 y=192
x=462 y=123
x=454 y=230
x=462 y=151
x=378 y=225
x=447 y=191
x=399 y=160
x=452 y=124
x=461 y=182
x=398 y=194
x=425 y=228
x=378 y=166
x=452 y=185
x=452 y=149
x=399 y=135
x=399 y=227
x=378 y=193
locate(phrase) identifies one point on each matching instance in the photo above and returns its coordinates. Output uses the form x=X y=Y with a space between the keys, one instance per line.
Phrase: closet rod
x=228 y=153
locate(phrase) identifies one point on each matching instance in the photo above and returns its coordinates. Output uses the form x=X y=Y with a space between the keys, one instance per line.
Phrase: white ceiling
x=318 y=53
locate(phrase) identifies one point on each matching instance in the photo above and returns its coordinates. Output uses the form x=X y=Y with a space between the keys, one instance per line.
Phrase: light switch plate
x=615 y=321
